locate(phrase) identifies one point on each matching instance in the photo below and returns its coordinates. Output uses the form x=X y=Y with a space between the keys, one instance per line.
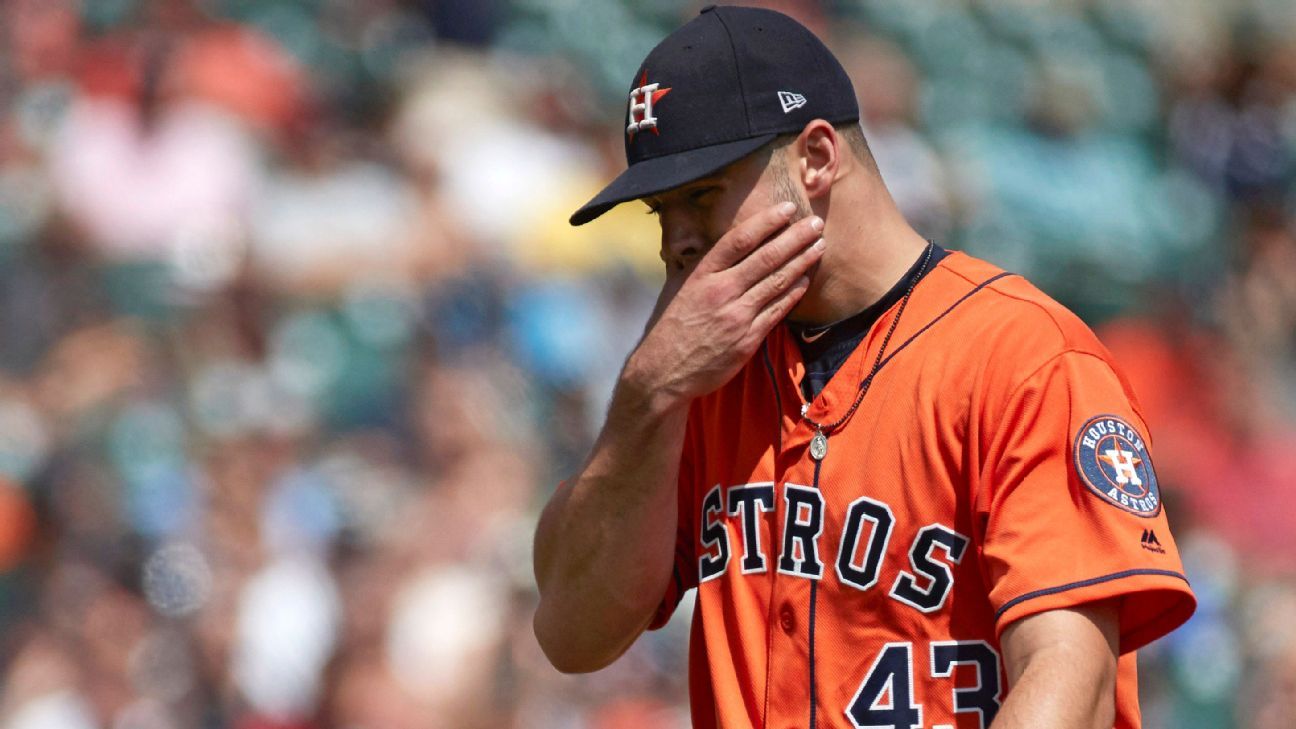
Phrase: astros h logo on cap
x=642 y=100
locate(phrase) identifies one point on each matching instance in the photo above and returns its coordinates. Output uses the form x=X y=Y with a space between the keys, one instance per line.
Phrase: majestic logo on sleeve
x=642 y=99
x=1111 y=459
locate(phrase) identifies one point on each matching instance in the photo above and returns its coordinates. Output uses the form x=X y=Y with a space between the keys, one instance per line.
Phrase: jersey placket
x=791 y=694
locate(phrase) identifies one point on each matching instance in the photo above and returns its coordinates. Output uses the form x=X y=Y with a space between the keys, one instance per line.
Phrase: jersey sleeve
x=1072 y=510
x=684 y=574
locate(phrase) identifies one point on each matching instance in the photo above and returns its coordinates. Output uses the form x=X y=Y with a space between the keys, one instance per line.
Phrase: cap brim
x=659 y=174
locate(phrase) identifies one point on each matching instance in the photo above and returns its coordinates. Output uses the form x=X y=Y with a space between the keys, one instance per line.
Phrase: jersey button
x=786 y=620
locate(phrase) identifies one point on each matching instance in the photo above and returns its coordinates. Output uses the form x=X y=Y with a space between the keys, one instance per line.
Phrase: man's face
x=695 y=215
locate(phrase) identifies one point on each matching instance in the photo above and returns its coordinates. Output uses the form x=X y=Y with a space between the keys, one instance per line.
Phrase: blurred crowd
x=295 y=339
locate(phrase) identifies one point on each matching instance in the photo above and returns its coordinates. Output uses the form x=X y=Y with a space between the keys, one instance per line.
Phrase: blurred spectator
x=887 y=85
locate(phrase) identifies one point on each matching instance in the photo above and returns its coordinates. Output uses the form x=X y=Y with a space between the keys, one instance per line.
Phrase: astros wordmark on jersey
x=997 y=467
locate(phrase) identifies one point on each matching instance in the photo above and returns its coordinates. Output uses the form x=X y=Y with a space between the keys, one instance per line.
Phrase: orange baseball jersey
x=997 y=467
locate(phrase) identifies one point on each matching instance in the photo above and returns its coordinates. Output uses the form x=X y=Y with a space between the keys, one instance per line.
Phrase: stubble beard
x=782 y=190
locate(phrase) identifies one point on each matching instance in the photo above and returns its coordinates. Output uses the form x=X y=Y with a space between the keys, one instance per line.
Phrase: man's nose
x=682 y=241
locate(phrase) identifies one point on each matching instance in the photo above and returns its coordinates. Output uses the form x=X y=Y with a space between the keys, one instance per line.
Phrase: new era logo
x=790 y=101
x=1151 y=543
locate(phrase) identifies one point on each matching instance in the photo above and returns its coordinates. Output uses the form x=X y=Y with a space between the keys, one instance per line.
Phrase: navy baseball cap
x=714 y=91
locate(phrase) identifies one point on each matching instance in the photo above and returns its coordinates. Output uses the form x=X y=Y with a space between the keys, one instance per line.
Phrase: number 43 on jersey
x=886 y=697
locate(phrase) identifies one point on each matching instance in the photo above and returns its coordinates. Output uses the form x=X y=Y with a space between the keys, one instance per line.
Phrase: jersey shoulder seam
x=1085 y=353
x=1050 y=360
x=995 y=287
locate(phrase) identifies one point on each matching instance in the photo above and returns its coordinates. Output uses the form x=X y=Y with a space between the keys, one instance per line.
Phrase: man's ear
x=819 y=151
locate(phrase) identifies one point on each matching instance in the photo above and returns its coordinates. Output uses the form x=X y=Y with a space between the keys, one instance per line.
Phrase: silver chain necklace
x=819 y=441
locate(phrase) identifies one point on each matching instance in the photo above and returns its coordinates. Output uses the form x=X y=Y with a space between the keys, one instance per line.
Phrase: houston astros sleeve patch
x=1112 y=461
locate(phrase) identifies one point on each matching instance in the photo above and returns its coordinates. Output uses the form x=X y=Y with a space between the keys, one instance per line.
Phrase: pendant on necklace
x=818 y=445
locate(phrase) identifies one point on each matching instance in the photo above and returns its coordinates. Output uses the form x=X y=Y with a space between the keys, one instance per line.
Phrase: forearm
x=605 y=544
x=1056 y=694
x=1061 y=670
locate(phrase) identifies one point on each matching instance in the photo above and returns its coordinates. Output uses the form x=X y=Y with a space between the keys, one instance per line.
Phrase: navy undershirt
x=825 y=354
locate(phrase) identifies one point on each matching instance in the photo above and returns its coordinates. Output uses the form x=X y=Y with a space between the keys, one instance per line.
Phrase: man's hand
x=709 y=321
x=605 y=544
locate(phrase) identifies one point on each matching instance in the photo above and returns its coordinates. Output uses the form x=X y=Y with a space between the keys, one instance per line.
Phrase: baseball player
x=909 y=488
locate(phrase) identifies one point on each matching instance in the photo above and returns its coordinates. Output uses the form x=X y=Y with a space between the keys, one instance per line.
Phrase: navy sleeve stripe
x=1083 y=583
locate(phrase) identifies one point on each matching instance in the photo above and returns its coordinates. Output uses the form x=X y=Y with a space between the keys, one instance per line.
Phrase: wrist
x=643 y=389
